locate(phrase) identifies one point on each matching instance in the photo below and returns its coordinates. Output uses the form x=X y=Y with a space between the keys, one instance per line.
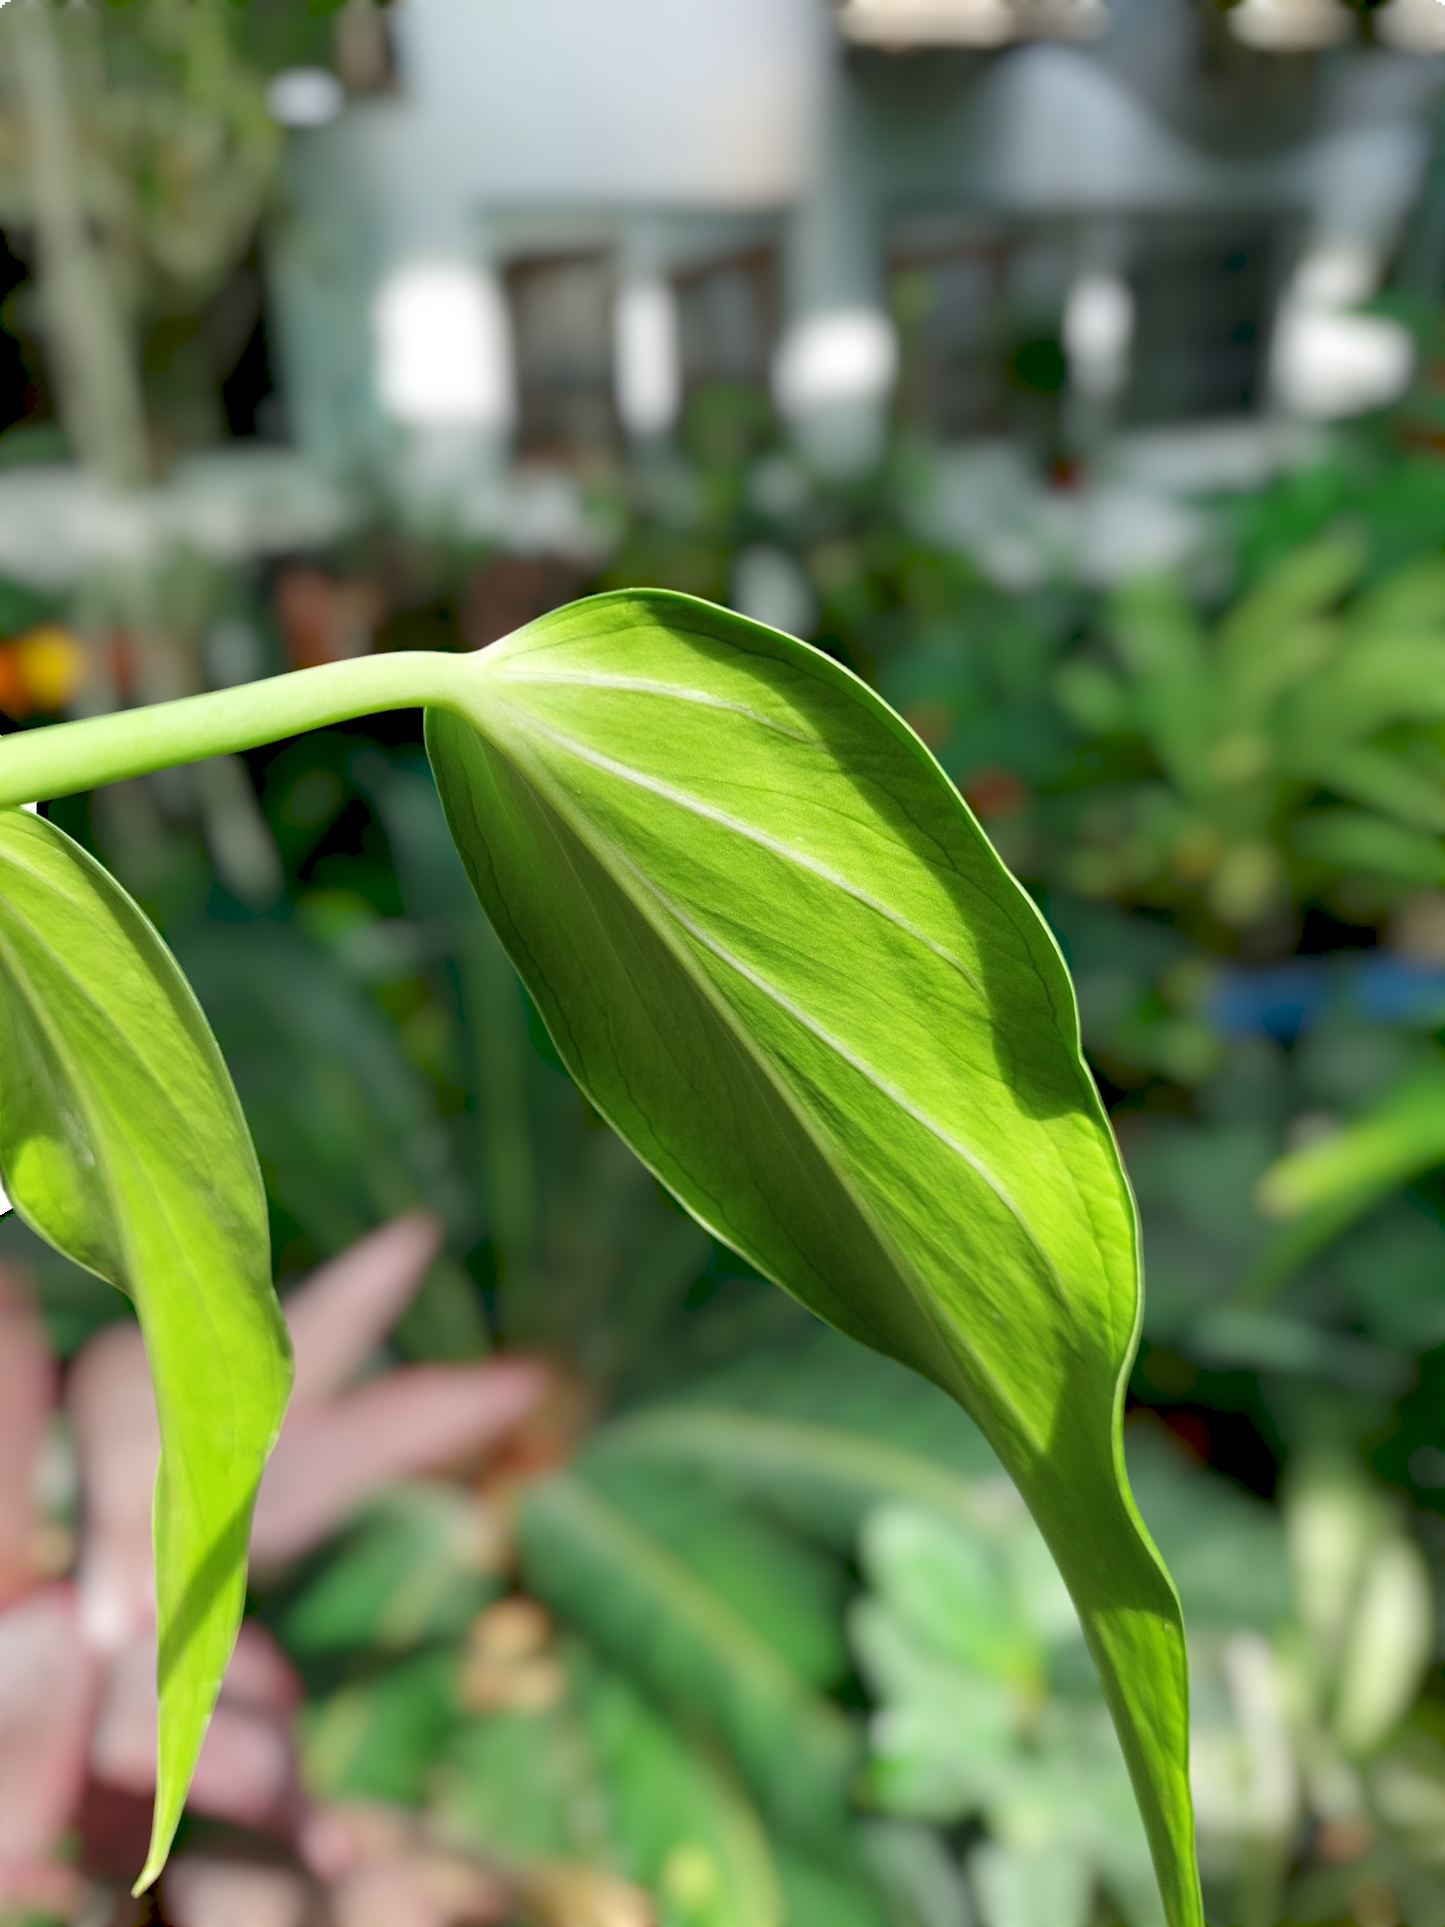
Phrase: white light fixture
x=832 y=378
x=969 y=23
x=835 y=360
x=1098 y=328
x=769 y=585
x=1326 y=362
x=1330 y=365
x=648 y=357
x=443 y=348
x=304 y=97
x=1291 y=26
x=1411 y=26
x=1336 y=276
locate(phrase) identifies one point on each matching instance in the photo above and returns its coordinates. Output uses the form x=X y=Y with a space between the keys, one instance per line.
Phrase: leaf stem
x=36 y=764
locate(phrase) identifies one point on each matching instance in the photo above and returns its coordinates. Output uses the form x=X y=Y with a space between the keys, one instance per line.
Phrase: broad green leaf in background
x=823 y=1478
x=686 y=1829
x=1360 y=841
x=789 y=1590
x=377 y=1737
x=1314 y=1192
x=413 y=1567
x=647 y=1610
x=778 y=954
x=122 y=1143
x=603 y=1780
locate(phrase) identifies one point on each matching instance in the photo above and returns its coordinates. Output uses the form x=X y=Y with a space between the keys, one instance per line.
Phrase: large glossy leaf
x=121 y=1141
x=775 y=949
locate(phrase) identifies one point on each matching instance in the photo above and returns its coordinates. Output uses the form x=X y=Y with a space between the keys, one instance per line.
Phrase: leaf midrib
x=695 y=805
x=590 y=837
x=670 y=794
x=687 y=801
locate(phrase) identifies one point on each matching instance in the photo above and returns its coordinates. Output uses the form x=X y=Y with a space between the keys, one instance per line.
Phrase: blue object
x=1281 y=1000
x=1278 y=1000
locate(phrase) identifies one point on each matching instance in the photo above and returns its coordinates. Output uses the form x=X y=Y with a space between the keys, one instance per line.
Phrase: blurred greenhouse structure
x=502 y=252
x=1133 y=236
x=1074 y=372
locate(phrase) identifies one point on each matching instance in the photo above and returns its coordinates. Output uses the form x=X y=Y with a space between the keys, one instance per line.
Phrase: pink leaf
x=420 y=1891
x=260 y=1675
x=382 y=1871
x=345 y=1309
x=110 y=1402
x=48 y=1684
x=27 y=1397
x=337 y=1319
x=123 y=1745
x=420 y=1419
x=202 y=1892
x=247 y=1769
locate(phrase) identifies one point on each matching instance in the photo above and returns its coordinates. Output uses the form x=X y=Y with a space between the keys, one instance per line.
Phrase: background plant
x=666 y=950
x=1212 y=1061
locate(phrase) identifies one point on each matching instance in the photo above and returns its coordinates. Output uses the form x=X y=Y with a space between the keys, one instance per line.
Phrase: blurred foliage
x=150 y=125
x=760 y=1629
x=754 y=1621
x=1225 y=788
x=136 y=160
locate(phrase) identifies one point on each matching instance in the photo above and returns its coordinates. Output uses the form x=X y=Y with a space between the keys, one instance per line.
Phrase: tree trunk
x=95 y=375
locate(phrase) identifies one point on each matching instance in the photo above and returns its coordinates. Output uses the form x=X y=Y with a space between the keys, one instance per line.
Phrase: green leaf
x=415 y=1566
x=522 y=1783
x=123 y=1144
x=693 y=1651
x=786 y=1587
x=946 y=1734
x=822 y=1478
x=817 y=1377
x=1158 y=640
x=1225 y=1548
x=822 y=1893
x=379 y=1737
x=1032 y=1886
x=1356 y=840
x=1316 y=1192
x=681 y=1824
x=345 y=1126
x=919 y=1875
x=954 y=1594
x=779 y=955
x=603 y=1779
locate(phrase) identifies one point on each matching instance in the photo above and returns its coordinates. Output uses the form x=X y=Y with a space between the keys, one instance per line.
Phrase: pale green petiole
x=68 y=757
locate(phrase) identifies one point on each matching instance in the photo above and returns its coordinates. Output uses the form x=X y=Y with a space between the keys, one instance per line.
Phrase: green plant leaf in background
x=1312 y=1193
x=778 y=954
x=121 y=1141
x=698 y=1654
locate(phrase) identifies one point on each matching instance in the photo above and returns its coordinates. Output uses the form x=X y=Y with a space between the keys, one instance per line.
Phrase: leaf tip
x=150 y=1873
x=166 y=1817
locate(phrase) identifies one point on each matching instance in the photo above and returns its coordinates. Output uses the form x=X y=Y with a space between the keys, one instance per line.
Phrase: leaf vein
x=889 y=1089
x=648 y=686
x=725 y=820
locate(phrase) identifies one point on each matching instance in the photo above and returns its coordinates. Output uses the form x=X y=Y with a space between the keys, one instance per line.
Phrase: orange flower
x=14 y=697
x=51 y=663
